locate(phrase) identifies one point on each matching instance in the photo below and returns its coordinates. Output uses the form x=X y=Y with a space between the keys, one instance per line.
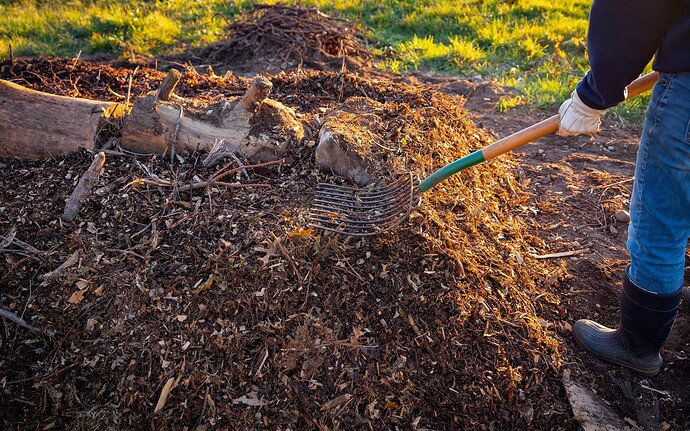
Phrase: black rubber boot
x=646 y=321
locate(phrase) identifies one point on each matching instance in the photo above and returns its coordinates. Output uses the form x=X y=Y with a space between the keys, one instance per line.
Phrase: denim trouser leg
x=660 y=203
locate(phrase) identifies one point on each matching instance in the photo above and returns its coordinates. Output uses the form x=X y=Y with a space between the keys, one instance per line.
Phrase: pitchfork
x=370 y=210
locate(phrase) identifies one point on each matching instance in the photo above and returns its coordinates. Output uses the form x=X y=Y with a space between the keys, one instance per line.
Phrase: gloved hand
x=578 y=118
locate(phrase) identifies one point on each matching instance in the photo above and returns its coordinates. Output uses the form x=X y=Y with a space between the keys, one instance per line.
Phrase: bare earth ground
x=222 y=308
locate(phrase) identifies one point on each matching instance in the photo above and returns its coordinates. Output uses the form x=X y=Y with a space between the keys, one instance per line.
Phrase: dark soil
x=226 y=301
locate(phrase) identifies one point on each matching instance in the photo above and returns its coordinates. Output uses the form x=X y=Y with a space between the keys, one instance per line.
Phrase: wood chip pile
x=219 y=308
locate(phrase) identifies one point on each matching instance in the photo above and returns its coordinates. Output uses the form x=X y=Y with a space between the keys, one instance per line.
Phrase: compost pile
x=220 y=308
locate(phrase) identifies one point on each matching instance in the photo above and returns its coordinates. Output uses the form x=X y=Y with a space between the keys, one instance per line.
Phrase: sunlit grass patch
x=64 y=28
x=507 y=103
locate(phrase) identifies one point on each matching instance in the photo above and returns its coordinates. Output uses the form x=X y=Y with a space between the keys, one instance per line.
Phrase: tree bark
x=253 y=126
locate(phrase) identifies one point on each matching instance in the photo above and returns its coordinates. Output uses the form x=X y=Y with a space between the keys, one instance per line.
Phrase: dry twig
x=18 y=320
x=561 y=254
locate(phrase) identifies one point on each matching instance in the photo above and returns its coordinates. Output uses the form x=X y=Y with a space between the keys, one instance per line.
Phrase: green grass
x=120 y=28
x=535 y=46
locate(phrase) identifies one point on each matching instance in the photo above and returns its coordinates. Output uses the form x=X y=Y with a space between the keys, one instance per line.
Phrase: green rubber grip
x=452 y=168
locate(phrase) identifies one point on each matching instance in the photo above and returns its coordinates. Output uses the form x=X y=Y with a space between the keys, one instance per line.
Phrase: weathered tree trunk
x=35 y=124
x=253 y=126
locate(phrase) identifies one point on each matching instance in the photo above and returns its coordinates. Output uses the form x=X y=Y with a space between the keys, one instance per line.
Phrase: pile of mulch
x=221 y=308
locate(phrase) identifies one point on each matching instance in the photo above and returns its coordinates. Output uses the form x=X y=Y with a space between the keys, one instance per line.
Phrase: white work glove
x=578 y=118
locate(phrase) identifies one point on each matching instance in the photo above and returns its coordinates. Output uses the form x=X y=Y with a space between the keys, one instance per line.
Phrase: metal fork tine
x=357 y=222
x=384 y=205
x=374 y=213
x=351 y=189
x=353 y=201
x=349 y=195
x=345 y=202
x=365 y=197
x=366 y=210
x=362 y=193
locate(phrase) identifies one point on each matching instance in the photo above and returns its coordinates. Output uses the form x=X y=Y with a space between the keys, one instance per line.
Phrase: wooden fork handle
x=550 y=125
x=543 y=128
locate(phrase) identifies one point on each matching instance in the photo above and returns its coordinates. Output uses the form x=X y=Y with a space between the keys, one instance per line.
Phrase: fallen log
x=253 y=126
x=35 y=125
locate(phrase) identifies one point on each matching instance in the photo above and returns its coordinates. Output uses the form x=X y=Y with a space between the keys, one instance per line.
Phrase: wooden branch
x=165 y=91
x=193 y=186
x=71 y=261
x=561 y=254
x=11 y=238
x=253 y=98
x=84 y=187
x=18 y=320
x=211 y=183
x=224 y=172
x=335 y=402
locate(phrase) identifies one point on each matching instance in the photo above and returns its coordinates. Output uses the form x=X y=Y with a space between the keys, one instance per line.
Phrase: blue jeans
x=660 y=204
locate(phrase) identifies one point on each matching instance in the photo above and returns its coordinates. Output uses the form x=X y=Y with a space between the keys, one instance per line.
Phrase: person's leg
x=660 y=203
x=645 y=321
x=657 y=236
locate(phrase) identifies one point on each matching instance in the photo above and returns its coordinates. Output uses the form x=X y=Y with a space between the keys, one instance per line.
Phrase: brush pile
x=289 y=34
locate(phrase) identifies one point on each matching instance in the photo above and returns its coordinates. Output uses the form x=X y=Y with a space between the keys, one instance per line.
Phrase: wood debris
x=433 y=323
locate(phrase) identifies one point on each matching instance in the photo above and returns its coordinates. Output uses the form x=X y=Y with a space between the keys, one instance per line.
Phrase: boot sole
x=644 y=372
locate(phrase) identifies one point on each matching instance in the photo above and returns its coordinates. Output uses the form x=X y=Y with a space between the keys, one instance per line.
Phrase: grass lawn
x=536 y=46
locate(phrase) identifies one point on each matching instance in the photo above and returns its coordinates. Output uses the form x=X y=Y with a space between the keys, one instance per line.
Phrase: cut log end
x=34 y=124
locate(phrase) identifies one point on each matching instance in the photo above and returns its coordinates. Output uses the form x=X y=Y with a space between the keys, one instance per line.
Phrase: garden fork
x=370 y=210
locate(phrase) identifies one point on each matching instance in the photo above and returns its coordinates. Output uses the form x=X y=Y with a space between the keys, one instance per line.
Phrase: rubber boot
x=646 y=320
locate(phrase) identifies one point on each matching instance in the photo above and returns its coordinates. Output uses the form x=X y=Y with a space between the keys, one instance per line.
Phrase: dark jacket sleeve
x=622 y=38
